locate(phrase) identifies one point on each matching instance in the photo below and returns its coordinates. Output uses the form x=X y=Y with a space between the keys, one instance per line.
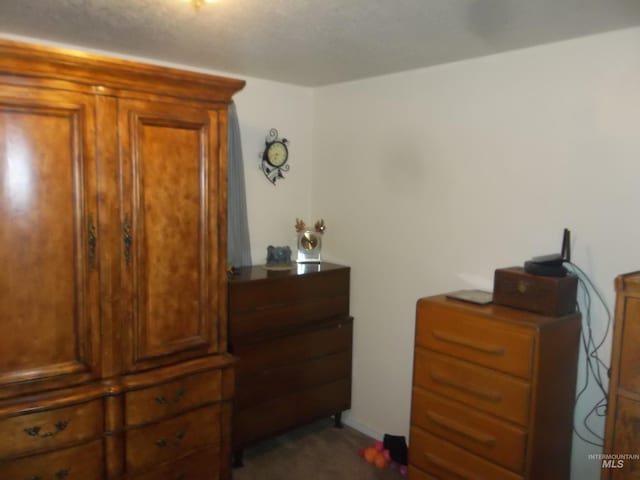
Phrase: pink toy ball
x=378 y=446
x=403 y=470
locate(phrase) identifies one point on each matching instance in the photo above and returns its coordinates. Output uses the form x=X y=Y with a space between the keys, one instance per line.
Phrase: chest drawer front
x=478 y=433
x=79 y=463
x=202 y=465
x=287 y=290
x=171 y=439
x=294 y=377
x=478 y=387
x=261 y=308
x=476 y=339
x=417 y=474
x=50 y=429
x=149 y=404
x=294 y=349
x=444 y=460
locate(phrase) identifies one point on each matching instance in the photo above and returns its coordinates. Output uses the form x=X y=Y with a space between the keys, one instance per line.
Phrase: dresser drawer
x=444 y=460
x=78 y=463
x=264 y=419
x=461 y=334
x=149 y=404
x=202 y=465
x=478 y=387
x=294 y=377
x=263 y=308
x=417 y=474
x=482 y=434
x=171 y=439
x=294 y=349
x=50 y=429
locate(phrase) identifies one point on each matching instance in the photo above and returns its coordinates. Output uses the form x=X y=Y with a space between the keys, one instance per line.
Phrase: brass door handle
x=93 y=241
x=127 y=240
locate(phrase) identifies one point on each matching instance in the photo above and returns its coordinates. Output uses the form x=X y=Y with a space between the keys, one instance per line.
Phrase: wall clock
x=275 y=156
x=309 y=241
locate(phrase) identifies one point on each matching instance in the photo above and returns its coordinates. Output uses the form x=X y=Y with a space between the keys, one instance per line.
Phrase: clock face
x=277 y=154
x=308 y=241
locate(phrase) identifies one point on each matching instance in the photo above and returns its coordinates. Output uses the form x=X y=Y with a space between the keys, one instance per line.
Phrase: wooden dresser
x=113 y=343
x=493 y=392
x=291 y=332
x=622 y=435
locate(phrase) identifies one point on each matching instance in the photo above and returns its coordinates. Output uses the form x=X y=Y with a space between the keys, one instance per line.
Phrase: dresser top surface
x=498 y=312
x=259 y=272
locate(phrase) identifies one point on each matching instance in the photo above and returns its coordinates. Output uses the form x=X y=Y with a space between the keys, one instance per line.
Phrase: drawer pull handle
x=162 y=400
x=60 y=475
x=164 y=443
x=490 y=395
x=456 y=427
x=465 y=342
x=460 y=472
x=35 y=431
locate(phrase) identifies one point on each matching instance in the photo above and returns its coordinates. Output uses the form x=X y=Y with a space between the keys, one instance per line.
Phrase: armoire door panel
x=170 y=175
x=48 y=239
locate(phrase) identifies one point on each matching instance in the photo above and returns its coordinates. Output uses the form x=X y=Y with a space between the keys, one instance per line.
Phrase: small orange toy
x=370 y=454
x=376 y=455
x=379 y=460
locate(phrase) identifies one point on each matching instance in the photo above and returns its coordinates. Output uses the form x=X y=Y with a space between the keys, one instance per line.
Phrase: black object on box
x=551 y=296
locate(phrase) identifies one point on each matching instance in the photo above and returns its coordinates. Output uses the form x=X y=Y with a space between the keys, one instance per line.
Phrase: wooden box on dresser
x=622 y=436
x=493 y=392
x=113 y=343
x=292 y=333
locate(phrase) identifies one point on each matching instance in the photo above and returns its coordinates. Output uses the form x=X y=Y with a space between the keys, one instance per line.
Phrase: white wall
x=429 y=180
x=273 y=209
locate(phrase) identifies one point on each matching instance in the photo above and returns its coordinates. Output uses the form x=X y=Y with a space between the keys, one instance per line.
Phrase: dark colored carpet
x=316 y=452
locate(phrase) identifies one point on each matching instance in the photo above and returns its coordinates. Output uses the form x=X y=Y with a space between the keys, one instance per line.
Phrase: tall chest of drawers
x=623 y=413
x=493 y=392
x=291 y=334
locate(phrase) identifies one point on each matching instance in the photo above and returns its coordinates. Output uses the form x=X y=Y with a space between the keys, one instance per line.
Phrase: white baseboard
x=349 y=421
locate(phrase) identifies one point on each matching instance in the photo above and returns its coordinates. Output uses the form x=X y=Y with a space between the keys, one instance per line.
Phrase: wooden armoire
x=113 y=339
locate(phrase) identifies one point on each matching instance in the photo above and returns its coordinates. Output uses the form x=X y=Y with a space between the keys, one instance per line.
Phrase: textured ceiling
x=312 y=42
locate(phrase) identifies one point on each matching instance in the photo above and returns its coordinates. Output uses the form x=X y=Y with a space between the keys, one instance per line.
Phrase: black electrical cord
x=593 y=362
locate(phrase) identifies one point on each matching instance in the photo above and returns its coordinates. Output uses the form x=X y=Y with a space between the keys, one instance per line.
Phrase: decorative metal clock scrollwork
x=275 y=156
